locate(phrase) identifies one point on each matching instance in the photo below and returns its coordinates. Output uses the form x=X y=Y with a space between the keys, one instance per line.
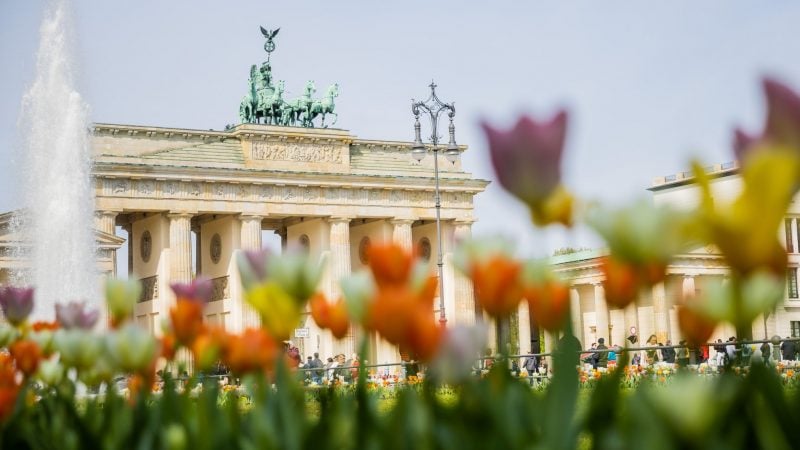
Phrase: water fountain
x=56 y=163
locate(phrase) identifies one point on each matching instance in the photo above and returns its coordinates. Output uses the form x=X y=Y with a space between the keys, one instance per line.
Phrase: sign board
x=301 y=332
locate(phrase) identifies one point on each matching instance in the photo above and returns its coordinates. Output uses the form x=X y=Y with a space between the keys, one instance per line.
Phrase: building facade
x=655 y=312
x=188 y=200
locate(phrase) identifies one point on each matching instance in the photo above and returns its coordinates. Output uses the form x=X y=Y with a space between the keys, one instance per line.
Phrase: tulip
x=280 y=312
x=696 y=326
x=547 y=296
x=187 y=320
x=132 y=348
x=208 y=347
x=75 y=315
x=199 y=290
x=495 y=275
x=51 y=372
x=121 y=297
x=252 y=351
x=44 y=339
x=27 y=355
x=781 y=127
x=252 y=266
x=401 y=310
x=17 y=303
x=9 y=386
x=296 y=274
x=621 y=282
x=331 y=316
x=527 y=161
x=77 y=348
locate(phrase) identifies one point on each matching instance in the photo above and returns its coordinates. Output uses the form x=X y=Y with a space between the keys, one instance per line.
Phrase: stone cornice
x=260 y=176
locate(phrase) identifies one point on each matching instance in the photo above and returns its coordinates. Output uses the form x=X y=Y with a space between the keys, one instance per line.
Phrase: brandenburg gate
x=321 y=189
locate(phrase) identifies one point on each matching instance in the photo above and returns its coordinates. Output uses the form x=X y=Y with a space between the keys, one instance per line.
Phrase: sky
x=648 y=84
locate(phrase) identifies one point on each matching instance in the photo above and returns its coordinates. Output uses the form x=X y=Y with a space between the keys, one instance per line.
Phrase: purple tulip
x=17 y=303
x=527 y=158
x=782 y=127
x=76 y=315
x=199 y=290
x=257 y=259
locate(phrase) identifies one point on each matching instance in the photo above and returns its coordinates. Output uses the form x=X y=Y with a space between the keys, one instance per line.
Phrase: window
x=795 y=327
x=791 y=280
x=789 y=240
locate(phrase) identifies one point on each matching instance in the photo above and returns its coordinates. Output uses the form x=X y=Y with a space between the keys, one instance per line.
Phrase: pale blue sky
x=648 y=83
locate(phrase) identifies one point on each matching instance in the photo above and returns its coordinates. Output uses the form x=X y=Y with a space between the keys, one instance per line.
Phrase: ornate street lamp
x=434 y=107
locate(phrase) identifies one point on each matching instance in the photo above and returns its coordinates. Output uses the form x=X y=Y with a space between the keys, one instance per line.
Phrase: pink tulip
x=76 y=315
x=17 y=303
x=527 y=158
x=782 y=127
x=199 y=290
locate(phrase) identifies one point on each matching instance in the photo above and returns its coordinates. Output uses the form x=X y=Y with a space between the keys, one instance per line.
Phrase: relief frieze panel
x=296 y=152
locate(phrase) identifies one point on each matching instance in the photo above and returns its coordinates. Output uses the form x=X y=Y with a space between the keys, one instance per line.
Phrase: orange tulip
x=390 y=264
x=44 y=326
x=187 y=321
x=621 y=282
x=332 y=316
x=207 y=347
x=497 y=285
x=27 y=355
x=9 y=388
x=253 y=350
x=549 y=303
x=168 y=346
x=695 y=326
x=402 y=310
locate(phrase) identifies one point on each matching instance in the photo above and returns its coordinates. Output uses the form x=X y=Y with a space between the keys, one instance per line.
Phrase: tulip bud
x=132 y=348
x=121 y=297
x=77 y=348
x=51 y=372
x=199 y=290
x=252 y=266
x=26 y=356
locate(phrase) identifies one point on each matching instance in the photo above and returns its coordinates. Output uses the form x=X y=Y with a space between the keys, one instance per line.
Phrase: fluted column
x=575 y=313
x=250 y=240
x=105 y=221
x=524 y=320
x=180 y=244
x=340 y=268
x=282 y=232
x=401 y=233
x=688 y=288
x=129 y=229
x=464 y=291
x=661 y=313
x=601 y=312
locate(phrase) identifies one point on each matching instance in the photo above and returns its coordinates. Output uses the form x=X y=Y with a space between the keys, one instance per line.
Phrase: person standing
x=601 y=359
x=787 y=350
x=668 y=353
x=651 y=356
x=531 y=365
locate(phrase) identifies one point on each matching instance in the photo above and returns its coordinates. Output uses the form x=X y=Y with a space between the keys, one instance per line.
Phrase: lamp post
x=434 y=107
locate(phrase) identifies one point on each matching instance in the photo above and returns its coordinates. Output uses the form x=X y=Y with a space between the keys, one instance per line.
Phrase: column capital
x=107 y=212
x=401 y=221
x=464 y=222
x=339 y=219
x=249 y=217
x=180 y=215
